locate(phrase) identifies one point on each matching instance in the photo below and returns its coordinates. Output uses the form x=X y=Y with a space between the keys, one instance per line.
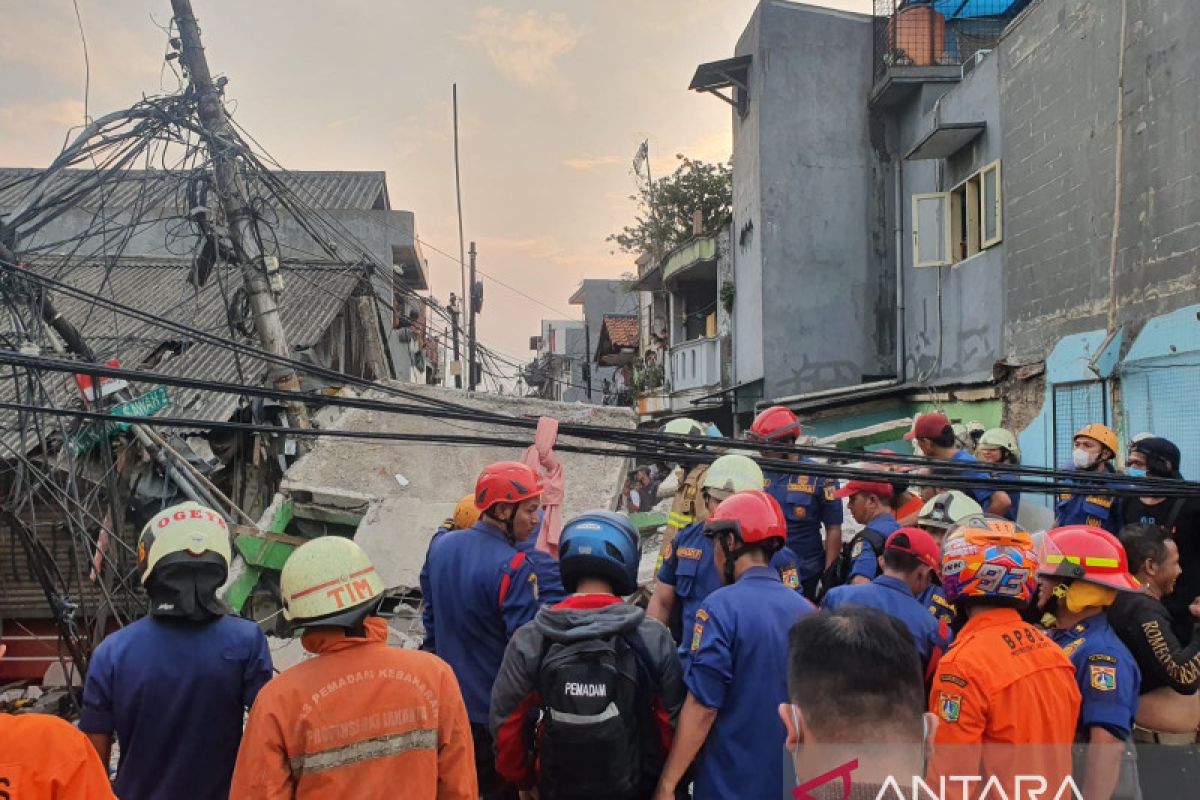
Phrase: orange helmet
x=1084 y=553
x=1099 y=433
x=753 y=516
x=990 y=559
x=466 y=513
x=506 y=482
x=774 y=424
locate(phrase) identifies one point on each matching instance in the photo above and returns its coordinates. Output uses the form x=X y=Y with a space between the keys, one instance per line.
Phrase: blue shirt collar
x=760 y=573
x=896 y=584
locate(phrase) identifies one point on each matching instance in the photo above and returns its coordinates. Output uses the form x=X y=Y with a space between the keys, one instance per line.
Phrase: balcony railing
x=932 y=33
x=695 y=364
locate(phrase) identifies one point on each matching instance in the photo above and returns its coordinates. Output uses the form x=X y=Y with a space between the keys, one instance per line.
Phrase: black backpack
x=841 y=568
x=594 y=737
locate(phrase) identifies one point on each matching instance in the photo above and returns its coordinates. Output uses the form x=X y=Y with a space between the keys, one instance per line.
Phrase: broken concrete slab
x=399 y=519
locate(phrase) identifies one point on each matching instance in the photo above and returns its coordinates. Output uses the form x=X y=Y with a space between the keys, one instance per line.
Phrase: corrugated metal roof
x=314 y=296
x=329 y=190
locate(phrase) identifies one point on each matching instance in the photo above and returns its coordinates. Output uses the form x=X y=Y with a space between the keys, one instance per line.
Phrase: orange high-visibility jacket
x=46 y=758
x=360 y=720
x=1007 y=702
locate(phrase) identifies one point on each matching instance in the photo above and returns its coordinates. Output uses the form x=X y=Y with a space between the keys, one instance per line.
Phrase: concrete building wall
x=826 y=306
x=746 y=238
x=1059 y=96
x=602 y=297
x=953 y=316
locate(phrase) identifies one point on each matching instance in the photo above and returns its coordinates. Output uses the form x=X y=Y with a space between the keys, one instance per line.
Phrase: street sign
x=93 y=433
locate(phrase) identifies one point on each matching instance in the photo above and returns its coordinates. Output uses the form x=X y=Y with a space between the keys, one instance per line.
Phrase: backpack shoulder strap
x=506 y=581
x=1176 y=507
x=873 y=537
x=642 y=656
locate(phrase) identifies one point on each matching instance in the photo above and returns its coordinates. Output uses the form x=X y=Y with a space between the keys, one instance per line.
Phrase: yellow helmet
x=730 y=474
x=466 y=513
x=1099 y=433
x=188 y=528
x=329 y=581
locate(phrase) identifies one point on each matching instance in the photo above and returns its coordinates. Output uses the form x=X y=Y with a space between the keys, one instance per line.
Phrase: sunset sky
x=554 y=98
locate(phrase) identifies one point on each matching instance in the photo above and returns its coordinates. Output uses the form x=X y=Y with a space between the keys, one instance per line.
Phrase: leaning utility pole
x=231 y=189
x=472 y=308
x=453 y=307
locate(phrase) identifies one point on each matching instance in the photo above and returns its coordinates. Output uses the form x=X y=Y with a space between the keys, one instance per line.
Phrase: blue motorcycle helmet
x=600 y=544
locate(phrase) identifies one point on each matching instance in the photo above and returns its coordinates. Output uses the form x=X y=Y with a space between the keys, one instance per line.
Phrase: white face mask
x=1082 y=458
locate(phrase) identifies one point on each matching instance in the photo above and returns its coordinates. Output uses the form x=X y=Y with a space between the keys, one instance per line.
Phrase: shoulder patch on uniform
x=791 y=577
x=856 y=551
x=799 y=512
x=690 y=552
x=830 y=493
x=1105 y=657
x=698 y=629
x=949 y=706
x=957 y=681
x=1103 y=679
x=943 y=602
x=1072 y=647
x=702 y=615
x=666 y=550
x=533 y=582
x=1096 y=500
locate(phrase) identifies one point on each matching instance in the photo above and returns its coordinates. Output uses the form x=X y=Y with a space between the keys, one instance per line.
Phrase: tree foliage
x=666 y=222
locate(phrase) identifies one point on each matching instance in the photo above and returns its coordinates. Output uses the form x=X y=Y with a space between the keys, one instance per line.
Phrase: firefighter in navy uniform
x=1081 y=570
x=941 y=514
x=807 y=501
x=689 y=575
x=1095 y=447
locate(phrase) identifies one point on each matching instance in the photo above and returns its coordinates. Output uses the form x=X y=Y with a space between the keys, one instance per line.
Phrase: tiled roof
x=622 y=330
x=332 y=191
x=313 y=297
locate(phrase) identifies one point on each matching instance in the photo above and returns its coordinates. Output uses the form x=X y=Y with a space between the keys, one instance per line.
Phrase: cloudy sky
x=554 y=98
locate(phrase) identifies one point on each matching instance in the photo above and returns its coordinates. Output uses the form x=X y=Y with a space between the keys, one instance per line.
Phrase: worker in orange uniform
x=1005 y=694
x=43 y=757
x=362 y=719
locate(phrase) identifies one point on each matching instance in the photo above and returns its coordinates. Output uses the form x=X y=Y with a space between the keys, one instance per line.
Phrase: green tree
x=666 y=222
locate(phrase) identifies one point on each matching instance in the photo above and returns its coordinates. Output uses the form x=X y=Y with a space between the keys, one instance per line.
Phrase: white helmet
x=945 y=510
x=188 y=532
x=730 y=474
x=329 y=581
x=999 y=438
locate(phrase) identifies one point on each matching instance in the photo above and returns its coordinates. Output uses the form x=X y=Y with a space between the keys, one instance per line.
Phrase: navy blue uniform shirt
x=983 y=496
x=894 y=597
x=738 y=666
x=1099 y=511
x=691 y=569
x=1108 y=677
x=175 y=693
x=480 y=594
x=807 y=503
x=864 y=560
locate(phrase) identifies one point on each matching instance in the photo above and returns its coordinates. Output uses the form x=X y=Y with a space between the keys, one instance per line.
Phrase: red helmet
x=753 y=516
x=506 y=482
x=1081 y=552
x=773 y=424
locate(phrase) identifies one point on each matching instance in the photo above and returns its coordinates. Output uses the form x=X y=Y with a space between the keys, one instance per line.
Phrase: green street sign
x=90 y=435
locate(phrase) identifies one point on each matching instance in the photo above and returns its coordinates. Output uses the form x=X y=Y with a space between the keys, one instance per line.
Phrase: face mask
x=1082 y=458
x=1135 y=472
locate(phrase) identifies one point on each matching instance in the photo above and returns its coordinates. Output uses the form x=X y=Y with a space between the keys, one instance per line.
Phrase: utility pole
x=472 y=306
x=467 y=292
x=454 y=327
x=231 y=189
x=587 y=354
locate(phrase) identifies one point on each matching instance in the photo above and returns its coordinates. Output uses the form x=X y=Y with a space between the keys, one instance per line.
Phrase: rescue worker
x=44 y=757
x=1095 y=447
x=689 y=574
x=808 y=502
x=1168 y=713
x=465 y=514
x=687 y=506
x=870 y=507
x=910 y=563
x=482 y=588
x=1155 y=457
x=362 y=719
x=999 y=446
x=569 y=646
x=850 y=671
x=1004 y=682
x=730 y=724
x=934 y=437
x=187 y=660
x=1081 y=570
x=941 y=514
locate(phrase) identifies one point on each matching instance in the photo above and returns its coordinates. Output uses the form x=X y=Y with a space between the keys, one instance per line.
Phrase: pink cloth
x=541 y=456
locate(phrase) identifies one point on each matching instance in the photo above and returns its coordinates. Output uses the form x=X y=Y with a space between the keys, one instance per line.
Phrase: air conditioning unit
x=973 y=62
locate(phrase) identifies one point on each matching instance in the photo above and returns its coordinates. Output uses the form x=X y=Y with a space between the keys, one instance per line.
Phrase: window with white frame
x=949 y=227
